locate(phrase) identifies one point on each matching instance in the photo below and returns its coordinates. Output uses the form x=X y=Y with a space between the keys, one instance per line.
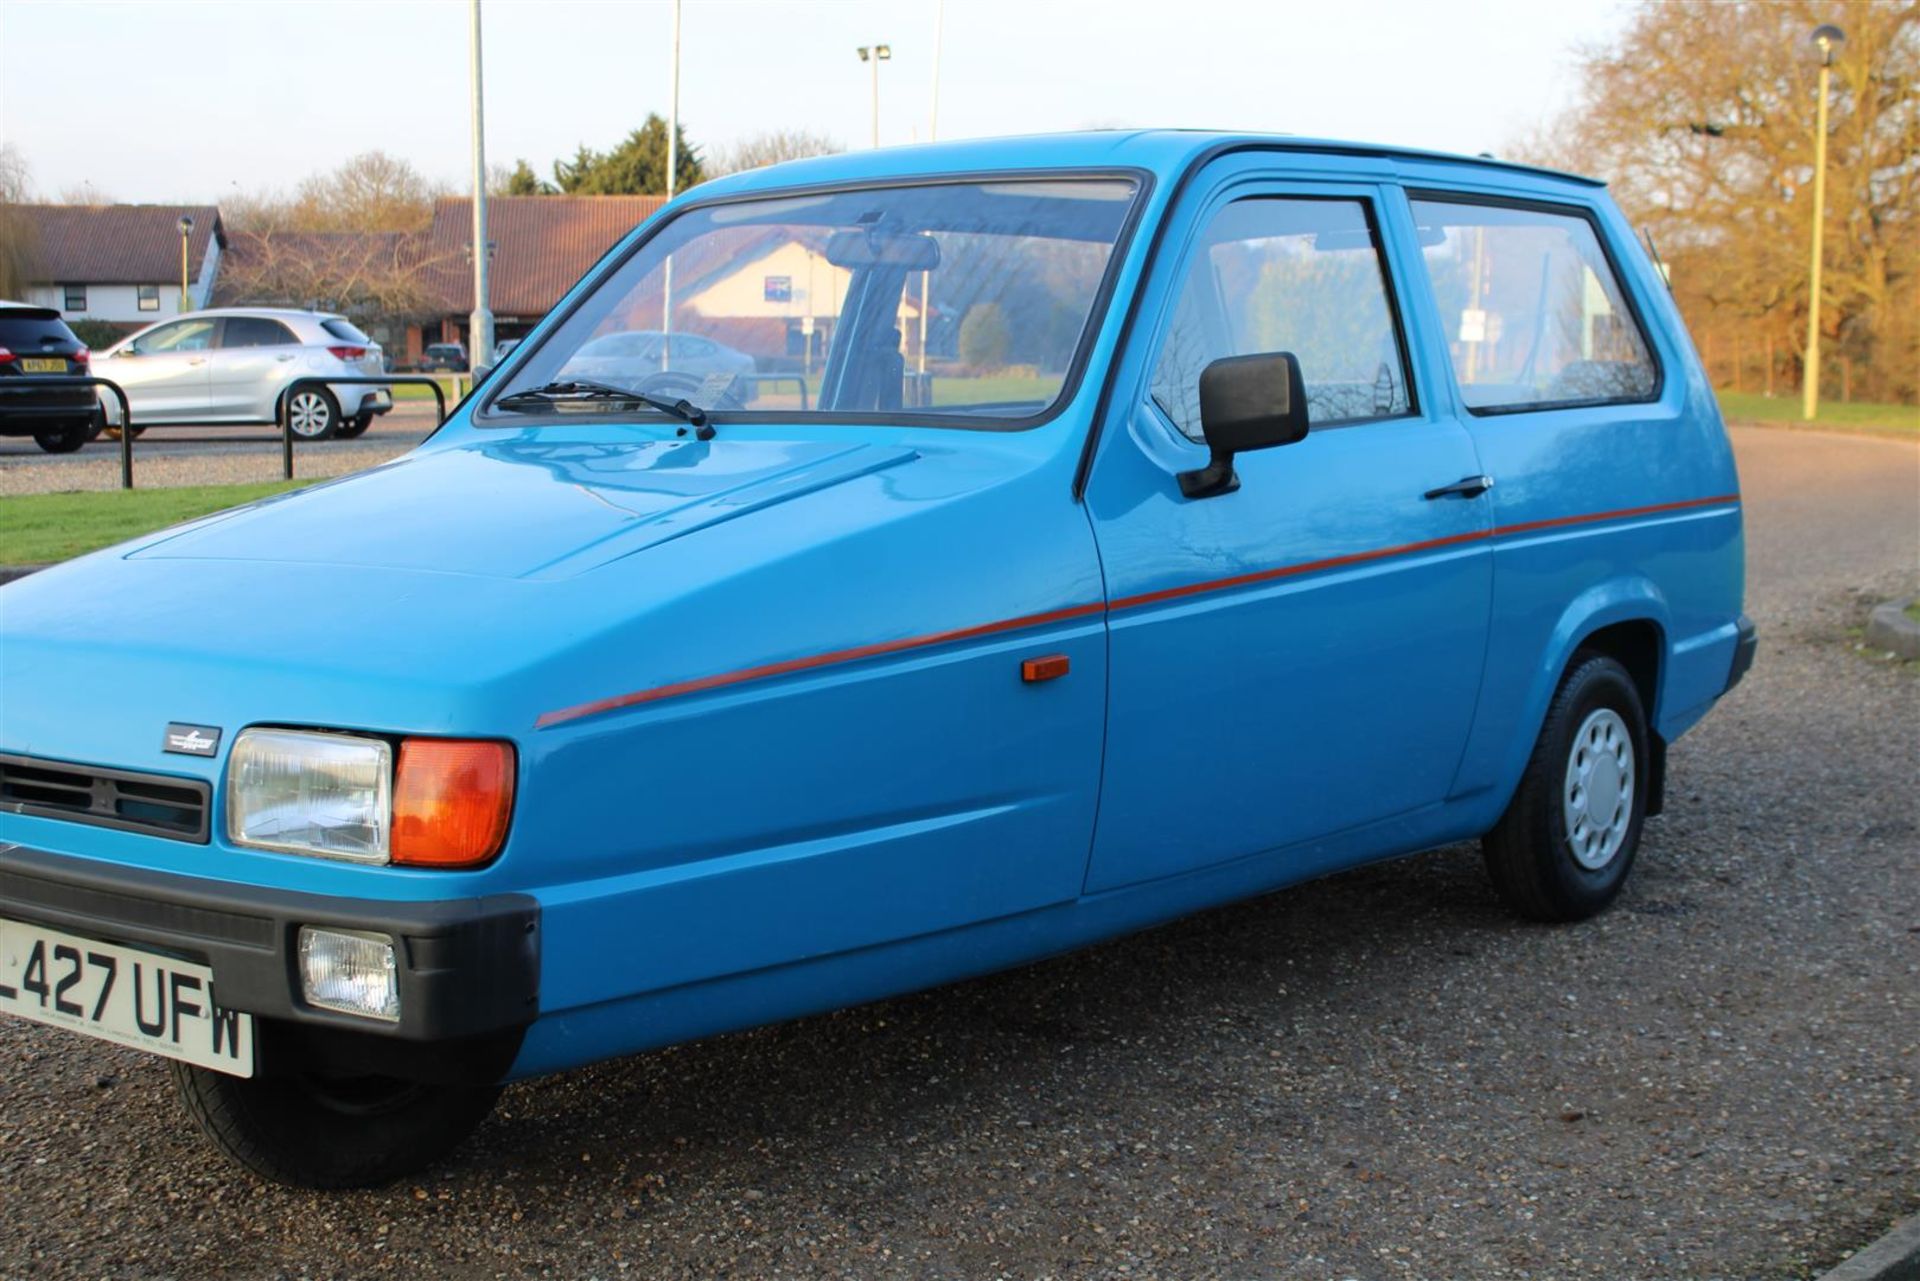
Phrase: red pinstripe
x=808 y=662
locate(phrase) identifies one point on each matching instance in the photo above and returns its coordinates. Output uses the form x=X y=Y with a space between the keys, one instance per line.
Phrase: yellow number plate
x=43 y=366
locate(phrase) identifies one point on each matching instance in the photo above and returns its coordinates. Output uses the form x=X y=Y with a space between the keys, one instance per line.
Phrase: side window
x=256 y=331
x=1288 y=274
x=1535 y=315
x=182 y=335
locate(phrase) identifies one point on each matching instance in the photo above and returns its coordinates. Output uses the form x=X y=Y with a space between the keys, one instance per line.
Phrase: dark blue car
x=1106 y=527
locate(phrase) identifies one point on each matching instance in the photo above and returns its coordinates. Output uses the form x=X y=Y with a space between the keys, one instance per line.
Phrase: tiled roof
x=543 y=245
x=117 y=244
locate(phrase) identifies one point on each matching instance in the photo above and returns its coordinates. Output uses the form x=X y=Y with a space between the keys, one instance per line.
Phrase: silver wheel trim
x=310 y=414
x=1596 y=797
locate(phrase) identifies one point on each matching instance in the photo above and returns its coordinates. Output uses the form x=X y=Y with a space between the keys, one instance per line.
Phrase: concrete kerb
x=1891 y=628
x=1894 y=1257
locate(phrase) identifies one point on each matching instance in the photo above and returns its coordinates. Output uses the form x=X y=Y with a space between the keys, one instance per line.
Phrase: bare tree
x=16 y=177
x=85 y=192
x=384 y=273
x=1702 y=118
x=770 y=147
x=371 y=192
x=16 y=233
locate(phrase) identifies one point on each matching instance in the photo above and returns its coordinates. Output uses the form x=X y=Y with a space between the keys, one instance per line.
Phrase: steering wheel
x=677 y=384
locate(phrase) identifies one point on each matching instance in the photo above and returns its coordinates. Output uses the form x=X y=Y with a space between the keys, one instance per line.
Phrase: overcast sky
x=193 y=101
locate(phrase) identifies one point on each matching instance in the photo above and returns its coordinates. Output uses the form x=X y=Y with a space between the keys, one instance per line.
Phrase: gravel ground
x=169 y=456
x=1379 y=1075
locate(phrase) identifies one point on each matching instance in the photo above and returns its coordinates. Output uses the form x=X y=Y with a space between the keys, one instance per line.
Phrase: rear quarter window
x=1535 y=316
x=32 y=330
x=345 y=331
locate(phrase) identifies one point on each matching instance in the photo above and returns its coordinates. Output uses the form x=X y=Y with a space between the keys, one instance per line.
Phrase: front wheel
x=316 y=414
x=1564 y=847
x=315 y=1132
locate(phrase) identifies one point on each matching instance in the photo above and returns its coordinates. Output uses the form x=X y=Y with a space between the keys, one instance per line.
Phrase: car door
x=165 y=370
x=1300 y=656
x=255 y=357
x=1610 y=477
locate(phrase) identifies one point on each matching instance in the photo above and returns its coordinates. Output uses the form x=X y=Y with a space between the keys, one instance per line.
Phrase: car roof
x=27 y=311
x=274 y=312
x=1166 y=153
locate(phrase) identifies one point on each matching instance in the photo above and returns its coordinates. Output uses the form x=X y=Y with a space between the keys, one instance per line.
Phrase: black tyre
x=353 y=426
x=65 y=438
x=348 y=1133
x=316 y=414
x=1564 y=847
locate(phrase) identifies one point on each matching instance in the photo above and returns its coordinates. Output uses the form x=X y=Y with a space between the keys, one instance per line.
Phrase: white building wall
x=121 y=303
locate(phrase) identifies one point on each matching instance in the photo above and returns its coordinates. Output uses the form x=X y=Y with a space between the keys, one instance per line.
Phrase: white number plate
x=121 y=995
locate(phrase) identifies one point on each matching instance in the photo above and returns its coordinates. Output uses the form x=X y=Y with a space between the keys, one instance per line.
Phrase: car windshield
x=964 y=300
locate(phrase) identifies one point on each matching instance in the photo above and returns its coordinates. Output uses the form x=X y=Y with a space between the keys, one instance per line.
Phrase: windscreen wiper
x=584 y=389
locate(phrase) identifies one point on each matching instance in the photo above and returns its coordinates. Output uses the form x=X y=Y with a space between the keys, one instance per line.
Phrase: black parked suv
x=36 y=343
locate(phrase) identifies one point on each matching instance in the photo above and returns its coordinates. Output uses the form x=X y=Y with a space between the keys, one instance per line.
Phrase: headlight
x=446 y=804
x=307 y=793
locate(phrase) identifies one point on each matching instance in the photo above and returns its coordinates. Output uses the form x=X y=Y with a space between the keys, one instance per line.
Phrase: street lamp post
x=480 y=322
x=1827 y=38
x=873 y=56
x=186 y=233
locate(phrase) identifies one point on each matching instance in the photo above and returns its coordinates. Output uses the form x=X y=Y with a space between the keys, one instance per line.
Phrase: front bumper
x=469 y=976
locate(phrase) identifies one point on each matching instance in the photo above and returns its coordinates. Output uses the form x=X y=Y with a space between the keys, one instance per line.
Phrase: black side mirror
x=1246 y=402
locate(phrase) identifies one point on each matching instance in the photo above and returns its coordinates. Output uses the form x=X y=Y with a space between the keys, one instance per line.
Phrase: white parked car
x=624 y=357
x=233 y=365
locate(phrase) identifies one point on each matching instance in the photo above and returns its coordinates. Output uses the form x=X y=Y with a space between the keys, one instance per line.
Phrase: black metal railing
x=35 y=382
x=359 y=380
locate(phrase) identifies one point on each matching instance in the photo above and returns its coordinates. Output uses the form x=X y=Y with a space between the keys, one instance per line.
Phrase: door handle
x=198 y=360
x=289 y=356
x=1465 y=487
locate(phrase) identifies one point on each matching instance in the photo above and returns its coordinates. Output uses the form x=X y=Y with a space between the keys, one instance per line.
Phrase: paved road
x=165 y=456
x=408 y=424
x=1377 y=1076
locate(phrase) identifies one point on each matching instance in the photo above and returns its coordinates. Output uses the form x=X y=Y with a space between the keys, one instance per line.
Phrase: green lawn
x=38 y=528
x=414 y=391
x=1755 y=408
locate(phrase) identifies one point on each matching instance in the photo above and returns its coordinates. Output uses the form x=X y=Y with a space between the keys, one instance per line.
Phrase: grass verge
x=1858 y=415
x=36 y=529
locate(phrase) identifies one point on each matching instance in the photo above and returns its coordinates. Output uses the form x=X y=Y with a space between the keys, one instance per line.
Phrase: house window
x=76 y=297
x=149 y=297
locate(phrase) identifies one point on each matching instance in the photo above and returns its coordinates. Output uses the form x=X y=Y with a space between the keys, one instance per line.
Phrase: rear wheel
x=315 y=1132
x=1563 y=849
x=316 y=414
x=65 y=438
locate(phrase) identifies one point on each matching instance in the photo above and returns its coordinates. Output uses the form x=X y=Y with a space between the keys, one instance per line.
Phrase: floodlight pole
x=874 y=55
x=1826 y=39
x=673 y=167
x=480 y=322
x=933 y=135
